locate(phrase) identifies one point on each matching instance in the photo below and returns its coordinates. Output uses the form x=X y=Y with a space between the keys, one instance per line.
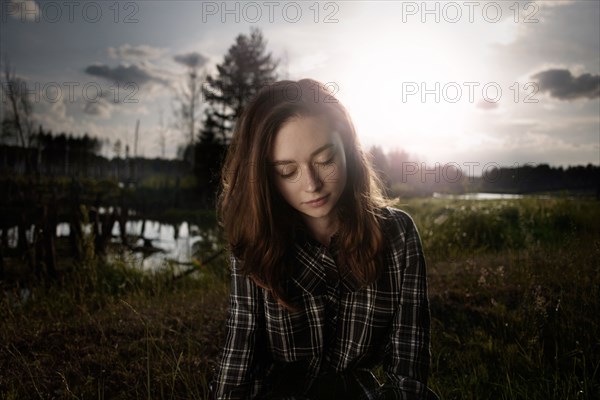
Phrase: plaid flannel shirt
x=341 y=327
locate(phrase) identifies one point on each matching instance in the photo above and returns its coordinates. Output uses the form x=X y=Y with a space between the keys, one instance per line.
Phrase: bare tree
x=17 y=107
x=188 y=99
x=162 y=134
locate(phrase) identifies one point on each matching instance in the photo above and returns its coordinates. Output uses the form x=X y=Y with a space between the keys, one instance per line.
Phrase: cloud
x=99 y=108
x=561 y=84
x=553 y=3
x=192 y=60
x=24 y=10
x=55 y=115
x=59 y=109
x=125 y=74
x=129 y=52
x=565 y=35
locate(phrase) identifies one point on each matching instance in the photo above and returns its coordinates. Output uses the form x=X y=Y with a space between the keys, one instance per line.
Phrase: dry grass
x=514 y=314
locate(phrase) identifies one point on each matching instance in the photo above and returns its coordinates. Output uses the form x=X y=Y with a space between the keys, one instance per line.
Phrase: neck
x=322 y=229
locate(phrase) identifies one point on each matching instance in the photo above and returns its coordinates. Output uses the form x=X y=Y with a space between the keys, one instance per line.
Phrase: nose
x=312 y=179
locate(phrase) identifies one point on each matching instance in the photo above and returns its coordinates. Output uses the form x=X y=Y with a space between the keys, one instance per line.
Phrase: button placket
x=333 y=286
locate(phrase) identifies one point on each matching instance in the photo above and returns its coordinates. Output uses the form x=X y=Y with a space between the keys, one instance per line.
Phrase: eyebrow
x=317 y=151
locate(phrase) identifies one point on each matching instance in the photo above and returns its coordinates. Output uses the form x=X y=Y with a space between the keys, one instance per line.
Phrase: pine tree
x=246 y=68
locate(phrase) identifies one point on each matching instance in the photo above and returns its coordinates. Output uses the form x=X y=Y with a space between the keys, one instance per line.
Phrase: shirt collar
x=310 y=274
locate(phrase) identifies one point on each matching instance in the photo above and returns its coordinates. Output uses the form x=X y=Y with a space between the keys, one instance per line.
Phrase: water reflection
x=478 y=196
x=154 y=245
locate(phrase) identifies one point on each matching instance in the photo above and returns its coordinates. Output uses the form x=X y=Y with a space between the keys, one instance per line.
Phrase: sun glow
x=406 y=89
x=402 y=100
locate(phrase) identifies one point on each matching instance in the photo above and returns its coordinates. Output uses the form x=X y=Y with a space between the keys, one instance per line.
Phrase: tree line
x=206 y=108
x=404 y=176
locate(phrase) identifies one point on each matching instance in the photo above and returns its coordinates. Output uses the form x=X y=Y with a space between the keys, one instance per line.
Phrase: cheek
x=287 y=189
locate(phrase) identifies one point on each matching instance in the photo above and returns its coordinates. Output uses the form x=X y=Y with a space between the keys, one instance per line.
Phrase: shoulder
x=396 y=221
x=399 y=229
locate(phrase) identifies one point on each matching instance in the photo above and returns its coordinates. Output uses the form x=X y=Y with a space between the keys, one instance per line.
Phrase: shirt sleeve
x=238 y=375
x=407 y=365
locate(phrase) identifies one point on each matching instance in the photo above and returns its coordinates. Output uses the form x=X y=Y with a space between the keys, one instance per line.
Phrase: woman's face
x=308 y=163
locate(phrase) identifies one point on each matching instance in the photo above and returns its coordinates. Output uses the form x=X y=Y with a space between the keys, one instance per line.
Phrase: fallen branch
x=196 y=265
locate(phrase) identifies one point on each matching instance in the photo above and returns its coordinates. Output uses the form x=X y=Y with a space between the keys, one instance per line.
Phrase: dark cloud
x=124 y=74
x=560 y=83
x=191 y=60
x=129 y=52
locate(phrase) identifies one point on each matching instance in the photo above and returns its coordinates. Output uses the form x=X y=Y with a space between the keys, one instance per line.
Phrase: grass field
x=514 y=288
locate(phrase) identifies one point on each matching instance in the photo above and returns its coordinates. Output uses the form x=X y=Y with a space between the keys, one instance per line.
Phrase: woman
x=328 y=281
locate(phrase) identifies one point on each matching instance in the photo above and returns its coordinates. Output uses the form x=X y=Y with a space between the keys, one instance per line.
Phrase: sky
x=467 y=83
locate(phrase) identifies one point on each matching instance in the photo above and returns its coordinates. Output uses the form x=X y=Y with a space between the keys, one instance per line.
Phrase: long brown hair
x=256 y=218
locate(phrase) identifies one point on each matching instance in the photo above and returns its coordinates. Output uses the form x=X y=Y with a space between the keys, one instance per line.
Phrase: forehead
x=298 y=137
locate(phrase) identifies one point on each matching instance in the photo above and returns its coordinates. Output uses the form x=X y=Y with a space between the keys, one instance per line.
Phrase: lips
x=315 y=201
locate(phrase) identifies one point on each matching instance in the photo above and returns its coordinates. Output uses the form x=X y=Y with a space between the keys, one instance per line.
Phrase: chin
x=317 y=213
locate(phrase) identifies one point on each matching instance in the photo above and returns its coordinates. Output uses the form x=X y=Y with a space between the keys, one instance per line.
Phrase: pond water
x=160 y=243
x=478 y=196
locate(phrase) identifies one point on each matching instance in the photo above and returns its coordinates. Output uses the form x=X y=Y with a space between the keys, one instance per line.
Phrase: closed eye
x=288 y=175
x=328 y=162
x=288 y=172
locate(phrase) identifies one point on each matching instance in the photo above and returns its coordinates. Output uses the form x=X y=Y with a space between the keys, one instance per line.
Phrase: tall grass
x=111 y=331
x=514 y=290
